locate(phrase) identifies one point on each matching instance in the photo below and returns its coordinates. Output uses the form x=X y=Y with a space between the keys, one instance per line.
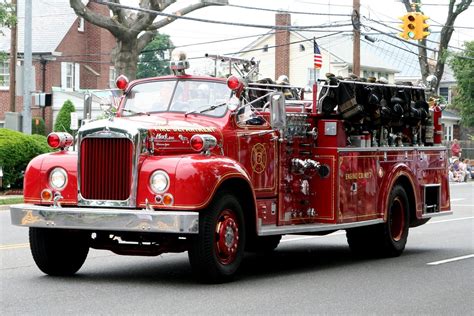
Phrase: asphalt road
x=305 y=275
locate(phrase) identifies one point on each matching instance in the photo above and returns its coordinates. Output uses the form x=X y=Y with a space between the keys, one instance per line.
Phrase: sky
x=187 y=32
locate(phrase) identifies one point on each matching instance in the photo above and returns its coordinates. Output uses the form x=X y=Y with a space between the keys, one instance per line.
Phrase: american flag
x=318 y=58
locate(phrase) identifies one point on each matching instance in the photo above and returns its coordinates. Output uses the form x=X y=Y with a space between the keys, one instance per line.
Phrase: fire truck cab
x=218 y=166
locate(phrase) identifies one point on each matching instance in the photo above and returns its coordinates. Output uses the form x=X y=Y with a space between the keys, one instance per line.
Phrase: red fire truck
x=217 y=167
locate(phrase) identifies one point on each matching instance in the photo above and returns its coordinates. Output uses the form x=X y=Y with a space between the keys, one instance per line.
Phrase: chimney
x=282 y=49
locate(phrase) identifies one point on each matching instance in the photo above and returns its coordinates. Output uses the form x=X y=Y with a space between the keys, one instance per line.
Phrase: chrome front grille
x=106 y=168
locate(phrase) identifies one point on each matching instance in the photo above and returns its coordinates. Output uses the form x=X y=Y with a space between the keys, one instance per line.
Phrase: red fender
x=194 y=179
x=37 y=173
x=389 y=180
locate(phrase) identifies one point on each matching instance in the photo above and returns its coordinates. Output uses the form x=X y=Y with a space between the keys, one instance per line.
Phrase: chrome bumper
x=105 y=219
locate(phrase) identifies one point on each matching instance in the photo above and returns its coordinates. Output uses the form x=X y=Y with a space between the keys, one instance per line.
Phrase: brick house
x=69 y=54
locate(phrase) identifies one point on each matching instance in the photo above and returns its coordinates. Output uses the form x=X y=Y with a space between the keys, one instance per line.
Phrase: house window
x=448 y=132
x=368 y=74
x=4 y=74
x=70 y=77
x=444 y=92
x=112 y=77
x=80 y=24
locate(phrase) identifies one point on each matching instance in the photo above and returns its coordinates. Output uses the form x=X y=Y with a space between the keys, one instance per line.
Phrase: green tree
x=463 y=66
x=7 y=14
x=152 y=61
x=63 y=120
x=7 y=19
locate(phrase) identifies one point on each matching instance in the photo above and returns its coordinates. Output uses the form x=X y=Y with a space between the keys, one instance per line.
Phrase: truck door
x=257 y=152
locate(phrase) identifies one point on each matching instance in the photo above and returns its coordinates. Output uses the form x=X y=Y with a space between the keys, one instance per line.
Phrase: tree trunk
x=125 y=57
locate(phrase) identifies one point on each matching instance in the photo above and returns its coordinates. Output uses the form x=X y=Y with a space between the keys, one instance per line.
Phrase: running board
x=311 y=228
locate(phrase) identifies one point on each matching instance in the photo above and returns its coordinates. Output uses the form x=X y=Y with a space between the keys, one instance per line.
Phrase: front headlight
x=159 y=181
x=58 y=178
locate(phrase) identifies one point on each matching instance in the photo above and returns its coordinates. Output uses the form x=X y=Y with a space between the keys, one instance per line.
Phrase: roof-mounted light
x=235 y=84
x=60 y=140
x=122 y=82
x=203 y=143
x=179 y=62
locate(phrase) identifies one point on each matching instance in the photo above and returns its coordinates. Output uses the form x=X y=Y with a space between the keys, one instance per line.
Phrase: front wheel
x=58 y=252
x=216 y=252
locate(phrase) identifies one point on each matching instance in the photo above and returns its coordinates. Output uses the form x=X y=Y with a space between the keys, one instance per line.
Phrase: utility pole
x=27 y=68
x=13 y=53
x=356 y=41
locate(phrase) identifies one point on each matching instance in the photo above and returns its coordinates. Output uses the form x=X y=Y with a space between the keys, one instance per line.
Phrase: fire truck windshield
x=177 y=96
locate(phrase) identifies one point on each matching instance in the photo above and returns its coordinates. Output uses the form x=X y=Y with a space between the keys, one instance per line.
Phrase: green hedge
x=16 y=151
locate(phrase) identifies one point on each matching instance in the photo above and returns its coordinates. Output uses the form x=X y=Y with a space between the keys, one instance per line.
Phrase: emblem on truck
x=259 y=158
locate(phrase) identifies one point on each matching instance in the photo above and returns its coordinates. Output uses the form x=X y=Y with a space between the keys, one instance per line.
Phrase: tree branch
x=119 y=13
x=183 y=11
x=166 y=3
x=144 y=39
x=108 y=23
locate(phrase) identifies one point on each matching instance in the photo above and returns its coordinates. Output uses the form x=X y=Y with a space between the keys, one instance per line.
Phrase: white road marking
x=450 y=260
x=14 y=246
x=451 y=220
x=309 y=237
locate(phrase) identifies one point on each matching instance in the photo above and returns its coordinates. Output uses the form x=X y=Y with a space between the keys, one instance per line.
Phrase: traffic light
x=421 y=27
x=408 y=26
x=414 y=26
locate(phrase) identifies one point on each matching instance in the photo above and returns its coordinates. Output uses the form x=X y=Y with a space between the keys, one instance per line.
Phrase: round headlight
x=159 y=181
x=58 y=178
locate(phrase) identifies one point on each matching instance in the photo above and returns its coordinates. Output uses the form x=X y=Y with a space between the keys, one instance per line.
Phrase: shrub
x=63 y=120
x=39 y=128
x=16 y=151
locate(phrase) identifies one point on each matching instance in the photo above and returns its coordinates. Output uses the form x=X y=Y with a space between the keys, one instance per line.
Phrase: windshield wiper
x=210 y=108
x=135 y=112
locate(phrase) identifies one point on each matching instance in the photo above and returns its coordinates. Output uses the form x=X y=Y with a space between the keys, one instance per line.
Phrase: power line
x=440 y=4
x=284 y=11
x=402 y=40
x=175 y=16
x=325 y=4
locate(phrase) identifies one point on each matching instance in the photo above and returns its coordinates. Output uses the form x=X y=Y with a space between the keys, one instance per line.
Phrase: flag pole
x=315 y=83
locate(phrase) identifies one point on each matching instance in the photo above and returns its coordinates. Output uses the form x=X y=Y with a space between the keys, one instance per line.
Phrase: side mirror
x=277 y=110
x=87 y=106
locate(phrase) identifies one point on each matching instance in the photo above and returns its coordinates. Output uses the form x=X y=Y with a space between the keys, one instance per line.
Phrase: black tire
x=216 y=252
x=263 y=244
x=387 y=239
x=59 y=252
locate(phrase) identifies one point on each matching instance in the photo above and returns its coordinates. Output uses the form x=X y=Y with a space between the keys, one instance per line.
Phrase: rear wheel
x=59 y=252
x=387 y=239
x=216 y=253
